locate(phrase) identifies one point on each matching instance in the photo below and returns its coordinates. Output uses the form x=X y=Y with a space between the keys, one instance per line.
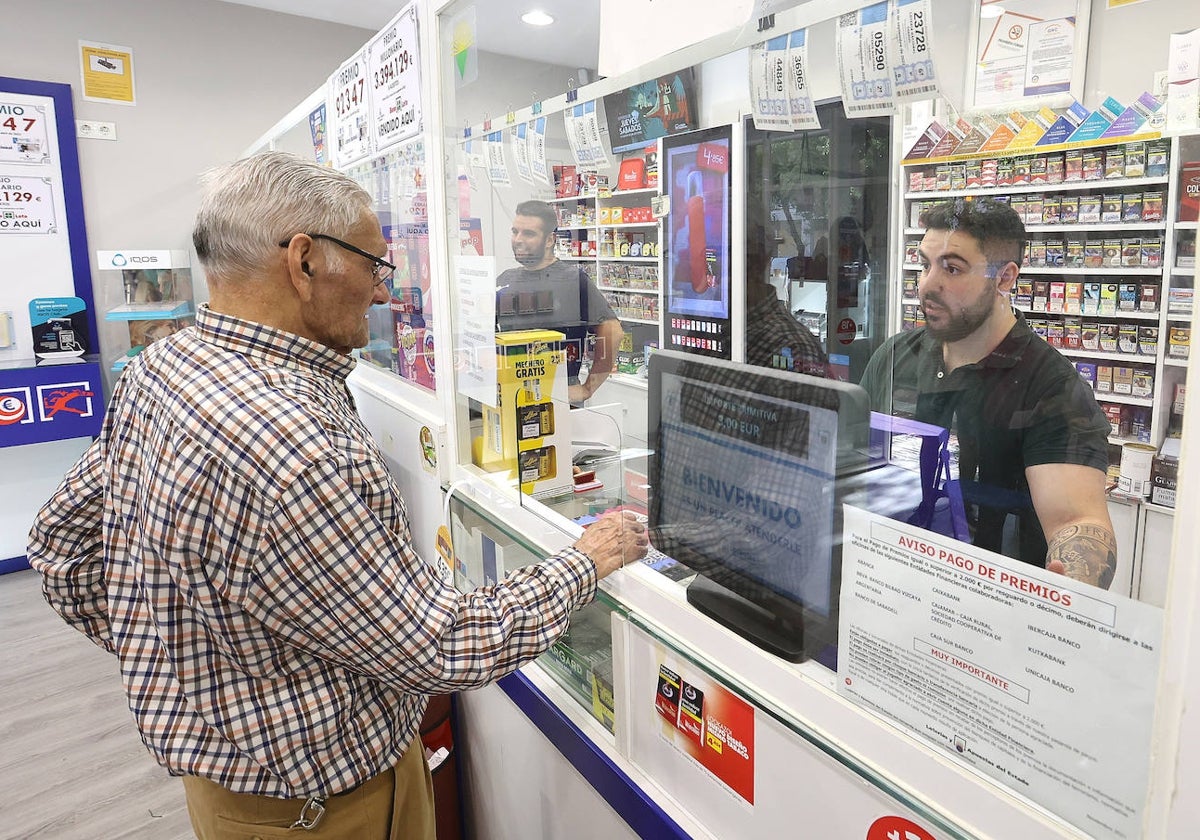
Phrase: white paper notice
x=393 y=62
x=516 y=134
x=535 y=136
x=800 y=106
x=912 y=50
x=27 y=205
x=768 y=85
x=1042 y=683
x=346 y=101
x=475 y=345
x=863 y=63
x=1051 y=56
x=496 y=164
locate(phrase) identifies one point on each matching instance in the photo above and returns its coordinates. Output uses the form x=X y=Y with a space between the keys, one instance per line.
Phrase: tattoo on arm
x=1088 y=553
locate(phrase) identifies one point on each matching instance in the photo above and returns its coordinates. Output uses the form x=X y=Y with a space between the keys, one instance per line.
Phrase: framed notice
x=107 y=73
x=1024 y=51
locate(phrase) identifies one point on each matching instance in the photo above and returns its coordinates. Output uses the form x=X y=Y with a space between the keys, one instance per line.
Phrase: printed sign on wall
x=393 y=62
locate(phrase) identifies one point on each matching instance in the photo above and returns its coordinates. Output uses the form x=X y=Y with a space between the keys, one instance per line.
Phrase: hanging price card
x=393 y=73
x=347 y=102
x=535 y=137
x=516 y=135
x=23 y=133
x=863 y=61
x=26 y=205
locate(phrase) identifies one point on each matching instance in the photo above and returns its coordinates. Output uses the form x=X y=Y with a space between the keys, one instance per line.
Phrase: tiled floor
x=72 y=767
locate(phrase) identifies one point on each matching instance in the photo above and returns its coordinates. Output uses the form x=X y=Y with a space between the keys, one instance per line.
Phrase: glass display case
x=149 y=294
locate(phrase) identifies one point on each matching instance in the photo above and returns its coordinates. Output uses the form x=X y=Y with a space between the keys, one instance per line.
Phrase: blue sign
x=50 y=402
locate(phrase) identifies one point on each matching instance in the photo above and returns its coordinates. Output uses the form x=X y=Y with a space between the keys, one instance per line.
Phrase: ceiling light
x=991 y=11
x=536 y=17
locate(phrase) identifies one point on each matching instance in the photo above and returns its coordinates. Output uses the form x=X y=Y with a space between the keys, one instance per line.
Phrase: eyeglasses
x=382 y=271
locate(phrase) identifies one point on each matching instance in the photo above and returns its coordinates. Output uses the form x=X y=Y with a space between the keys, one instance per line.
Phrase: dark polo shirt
x=1022 y=405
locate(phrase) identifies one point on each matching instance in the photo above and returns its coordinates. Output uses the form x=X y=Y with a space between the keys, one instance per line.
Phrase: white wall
x=1127 y=44
x=210 y=77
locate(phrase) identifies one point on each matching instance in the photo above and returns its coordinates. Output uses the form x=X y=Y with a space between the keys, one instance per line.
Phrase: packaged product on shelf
x=1164 y=480
x=1087 y=372
x=1185 y=251
x=1004 y=173
x=1068 y=212
x=1108 y=299
x=1041 y=295
x=1131 y=252
x=1036 y=253
x=916 y=180
x=1038 y=173
x=1148 y=298
x=1033 y=209
x=1054 y=333
x=958 y=176
x=1152 y=206
x=942 y=172
x=1020 y=175
x=1179 y=342
x=1152 y=252
x=1135 y=160
x=1055 y=251
x=1148 y=340
x=1073 y=301
x=1058 y=295
x=1158 y=157
x=1114 y=163
x=1074 y=254
x=1112 y=413
x=1189 y=191
x=1143 y=382
x=909 y=288
x=1108 y=337
x=1093 y=164
x=912 y=252
x=1089 y=209
x=1104 y=378
x=987 y=173
x=1110 y=208
x=909 y=321
x=1091 y=298
x=1178 y=397
x=1073 y=165
x=1056 y=169
x=1131 y=207
x=1127 y=338
x=1123 y=381
x=1093 y=253
x=974 y=175
x=1039 y=326
x=1089 y=336
x=1112 y=252
x=1072 y=332
x=1017 y=203
x=930 y=183
x=1051 y=205
x=1023 y=299
x=1179 y=301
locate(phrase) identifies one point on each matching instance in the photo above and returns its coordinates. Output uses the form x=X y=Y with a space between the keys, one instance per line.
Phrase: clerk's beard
x=956 y=325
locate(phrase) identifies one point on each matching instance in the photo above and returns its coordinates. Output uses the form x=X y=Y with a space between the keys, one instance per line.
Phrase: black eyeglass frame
x=379 y=263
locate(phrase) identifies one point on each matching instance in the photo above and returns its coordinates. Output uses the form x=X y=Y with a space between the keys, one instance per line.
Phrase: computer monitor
x=745 y=488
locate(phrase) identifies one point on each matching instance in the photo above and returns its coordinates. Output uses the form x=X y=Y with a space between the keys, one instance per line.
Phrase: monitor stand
x=778 y=630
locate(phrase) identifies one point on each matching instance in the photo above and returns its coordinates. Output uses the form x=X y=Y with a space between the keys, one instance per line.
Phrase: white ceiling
x=571 y=41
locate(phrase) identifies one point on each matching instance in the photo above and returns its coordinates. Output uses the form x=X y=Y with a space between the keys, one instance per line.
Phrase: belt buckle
x=310 y=814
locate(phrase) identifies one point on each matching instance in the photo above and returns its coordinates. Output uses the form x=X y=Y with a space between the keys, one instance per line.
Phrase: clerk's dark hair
x=539 y=210
x=994 y=224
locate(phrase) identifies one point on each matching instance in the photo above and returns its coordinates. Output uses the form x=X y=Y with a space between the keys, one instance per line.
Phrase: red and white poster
x=710 y=724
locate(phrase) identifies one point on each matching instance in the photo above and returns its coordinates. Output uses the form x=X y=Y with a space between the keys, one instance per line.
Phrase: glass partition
x=780 y=349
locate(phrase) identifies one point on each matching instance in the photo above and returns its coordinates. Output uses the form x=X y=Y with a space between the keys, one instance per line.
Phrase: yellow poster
x=107 y=73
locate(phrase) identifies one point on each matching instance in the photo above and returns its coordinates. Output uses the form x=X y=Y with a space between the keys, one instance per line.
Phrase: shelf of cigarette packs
x=1093 y=282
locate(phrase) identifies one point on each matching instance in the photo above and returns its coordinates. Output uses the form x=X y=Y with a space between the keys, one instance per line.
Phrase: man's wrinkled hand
x=613 y=541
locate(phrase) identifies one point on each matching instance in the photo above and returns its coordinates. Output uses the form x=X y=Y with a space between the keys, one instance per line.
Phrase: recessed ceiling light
x=991 y=11
x=536 y=17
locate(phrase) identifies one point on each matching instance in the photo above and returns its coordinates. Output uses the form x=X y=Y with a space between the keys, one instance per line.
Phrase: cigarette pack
x=1123 y=380
x=1058 y=294
x=1087 y=372
x=1108 y=337
x=1148 y=340
x=1127 y=338
x=1135 y=160
x=1148 y=297
x=1093 y=164
x=1104 y=378
x=1089 y=209
x=1073 y=302
x=1110 y=208
x=1108 y=301
x=1114 y=163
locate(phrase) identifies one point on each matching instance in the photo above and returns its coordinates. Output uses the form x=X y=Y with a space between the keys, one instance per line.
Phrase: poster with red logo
x=709 y=723
x=56 y=402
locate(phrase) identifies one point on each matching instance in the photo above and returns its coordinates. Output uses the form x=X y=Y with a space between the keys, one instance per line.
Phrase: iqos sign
x=133 y=259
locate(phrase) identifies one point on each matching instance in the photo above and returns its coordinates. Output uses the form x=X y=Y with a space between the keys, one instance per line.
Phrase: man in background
x=547 y=293
x=236 y=540
x=1032 y=442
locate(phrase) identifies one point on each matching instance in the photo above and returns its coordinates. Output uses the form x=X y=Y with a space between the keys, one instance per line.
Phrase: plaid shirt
x=235 y=538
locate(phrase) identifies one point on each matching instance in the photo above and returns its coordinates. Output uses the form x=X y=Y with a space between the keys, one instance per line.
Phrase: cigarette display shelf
x=1119 y=228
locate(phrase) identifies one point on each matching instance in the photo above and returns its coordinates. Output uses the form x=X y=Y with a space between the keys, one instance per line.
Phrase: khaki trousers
x=397 y=804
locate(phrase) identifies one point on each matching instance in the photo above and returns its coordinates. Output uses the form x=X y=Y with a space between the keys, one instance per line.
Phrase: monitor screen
x=745 y=489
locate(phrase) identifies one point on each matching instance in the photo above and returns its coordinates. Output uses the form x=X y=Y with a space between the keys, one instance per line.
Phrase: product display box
x=528 y=431
x=156 y=290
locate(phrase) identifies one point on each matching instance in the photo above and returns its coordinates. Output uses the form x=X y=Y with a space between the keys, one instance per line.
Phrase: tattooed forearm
x=1088 y=553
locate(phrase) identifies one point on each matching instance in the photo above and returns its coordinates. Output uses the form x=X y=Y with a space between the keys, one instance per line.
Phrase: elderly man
x=235 y=538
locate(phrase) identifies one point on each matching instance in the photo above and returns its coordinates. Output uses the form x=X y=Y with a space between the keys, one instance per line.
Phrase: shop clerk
x=1032 y=442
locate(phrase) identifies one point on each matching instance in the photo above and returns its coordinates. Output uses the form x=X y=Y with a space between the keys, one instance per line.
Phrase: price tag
x=347 y=101
x=393 y=70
